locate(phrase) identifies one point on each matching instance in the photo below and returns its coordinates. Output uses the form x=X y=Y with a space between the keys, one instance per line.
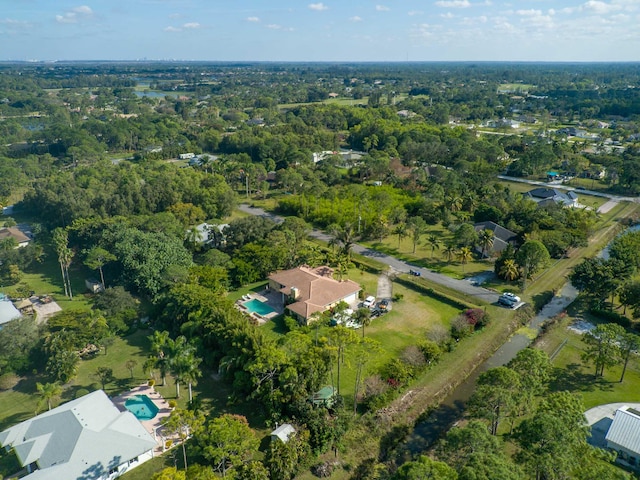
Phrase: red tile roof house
x=307 y=290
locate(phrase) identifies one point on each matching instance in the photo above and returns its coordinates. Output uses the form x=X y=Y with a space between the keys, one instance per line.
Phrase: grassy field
x=424 y=256
x=577 y=376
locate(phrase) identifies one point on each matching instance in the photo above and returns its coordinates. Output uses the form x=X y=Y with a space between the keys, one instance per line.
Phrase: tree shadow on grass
x=572 y=378
x=541 y=299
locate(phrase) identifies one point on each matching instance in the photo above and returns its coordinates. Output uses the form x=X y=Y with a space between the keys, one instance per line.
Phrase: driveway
x=600 y=418
x=398 y=265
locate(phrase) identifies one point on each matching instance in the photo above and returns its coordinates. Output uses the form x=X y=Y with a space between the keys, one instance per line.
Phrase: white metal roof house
x=84 y=438
x=624 y=436
x=8 y=311
x=283 y=432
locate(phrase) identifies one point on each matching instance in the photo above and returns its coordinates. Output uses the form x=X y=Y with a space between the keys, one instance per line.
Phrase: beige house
x=11 y=232
x=307 y=290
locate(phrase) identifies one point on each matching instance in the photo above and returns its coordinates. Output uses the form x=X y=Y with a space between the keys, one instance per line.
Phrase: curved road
x=462 y=286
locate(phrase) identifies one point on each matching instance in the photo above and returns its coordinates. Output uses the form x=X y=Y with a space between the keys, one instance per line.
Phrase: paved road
x=462 y=286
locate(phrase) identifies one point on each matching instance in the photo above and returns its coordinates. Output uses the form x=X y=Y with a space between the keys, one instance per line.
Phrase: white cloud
x=529 y=13
x=253 y=19
x=413 y=13
x=422 y=31
x=15 y=23
x=172 y=29
x=600 y=8
x=275 y=26
x=75 y=15
x=453 y=3
x=382 y=8
x=355 y=19
x=447 y=15
x=191 y=25
x=318 y=6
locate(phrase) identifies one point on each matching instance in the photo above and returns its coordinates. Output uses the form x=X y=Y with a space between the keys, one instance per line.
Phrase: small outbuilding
x=93 y=285
x=325 y=397
x=283 y=432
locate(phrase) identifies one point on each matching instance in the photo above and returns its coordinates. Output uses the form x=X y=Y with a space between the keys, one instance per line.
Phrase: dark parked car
x=414 y=272
x=383 y=304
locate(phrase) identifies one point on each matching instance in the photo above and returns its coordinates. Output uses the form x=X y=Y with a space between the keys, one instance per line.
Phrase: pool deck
x=271 y=301
x=153 y=426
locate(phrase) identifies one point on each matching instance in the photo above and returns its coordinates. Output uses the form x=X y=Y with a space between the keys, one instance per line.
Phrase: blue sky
x=328 y=30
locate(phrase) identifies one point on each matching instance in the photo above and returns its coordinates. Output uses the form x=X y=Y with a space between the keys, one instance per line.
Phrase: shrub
x=323 y=470
x=81 y=392
x=612 y=317
x=8 y=381
x=460 y=327
x=151 y=382
x=413 y=356
x=173 y=404
x=477 y=317
x=431 y=351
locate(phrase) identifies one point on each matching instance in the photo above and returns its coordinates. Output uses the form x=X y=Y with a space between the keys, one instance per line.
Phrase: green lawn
x=406 y=324
x=21 y=402
x=425 y=257
x=577 y=376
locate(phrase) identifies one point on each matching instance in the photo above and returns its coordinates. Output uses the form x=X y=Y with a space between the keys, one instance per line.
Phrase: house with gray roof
x=501 y=236
x=545 y=197
x=84 y=438
x=623 y=436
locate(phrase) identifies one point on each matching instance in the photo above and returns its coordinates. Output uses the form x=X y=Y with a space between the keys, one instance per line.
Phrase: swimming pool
x=256 y=306
x=142 y=407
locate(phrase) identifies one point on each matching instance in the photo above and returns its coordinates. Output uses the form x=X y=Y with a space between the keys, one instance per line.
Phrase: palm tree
x=434 y=242
x=48 y=392
x=417 y=225
x=363 y=317
x=344 y=236
x=449 y=251
x=464 y=254
x=454 y=203
x=510 y=270
x=194 y=237
x=184 y=364
x=485 y=239
x=160 y=347
x=65 y=257
x=401 y=232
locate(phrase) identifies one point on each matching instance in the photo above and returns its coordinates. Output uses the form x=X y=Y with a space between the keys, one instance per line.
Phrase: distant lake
x=152 y=94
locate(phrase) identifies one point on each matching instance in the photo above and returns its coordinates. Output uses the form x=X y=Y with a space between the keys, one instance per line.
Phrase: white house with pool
x=85 y=438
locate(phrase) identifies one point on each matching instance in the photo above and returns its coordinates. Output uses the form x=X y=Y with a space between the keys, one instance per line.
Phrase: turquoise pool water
x=142 y=407
x=256 y=306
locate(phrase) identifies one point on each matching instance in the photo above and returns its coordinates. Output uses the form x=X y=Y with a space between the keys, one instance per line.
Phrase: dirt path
x=604 y=208
x=385 y=287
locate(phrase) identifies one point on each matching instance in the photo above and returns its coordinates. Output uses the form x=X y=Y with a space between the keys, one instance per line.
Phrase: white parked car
x=509 y=299
x=369 y=302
